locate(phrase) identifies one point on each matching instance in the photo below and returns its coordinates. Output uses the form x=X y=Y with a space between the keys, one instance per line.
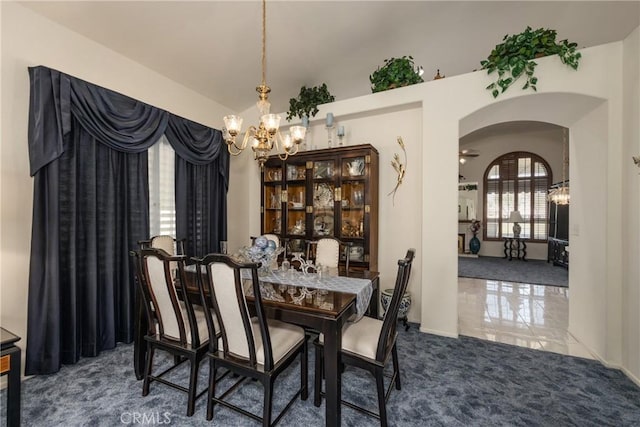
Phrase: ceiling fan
x=463 y=155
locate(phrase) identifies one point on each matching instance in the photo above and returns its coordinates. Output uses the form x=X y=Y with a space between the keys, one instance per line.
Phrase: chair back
x=222 y=290
x=388 y=331
x=327 y=252
x=168 y=244
x=170 y=319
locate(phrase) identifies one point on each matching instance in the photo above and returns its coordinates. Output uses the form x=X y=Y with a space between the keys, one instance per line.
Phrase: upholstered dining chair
x=165 y=242
x=251 y=347
x=368 y=344
x=326 y=252
x=174 y=325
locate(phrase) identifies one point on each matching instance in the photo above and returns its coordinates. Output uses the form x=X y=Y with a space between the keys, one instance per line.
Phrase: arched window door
x=516 y=181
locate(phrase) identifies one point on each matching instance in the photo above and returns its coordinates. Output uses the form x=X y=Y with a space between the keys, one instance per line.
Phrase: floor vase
x=474 y=245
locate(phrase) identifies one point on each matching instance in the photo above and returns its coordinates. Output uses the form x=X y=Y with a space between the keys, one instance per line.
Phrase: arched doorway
x=592 y=133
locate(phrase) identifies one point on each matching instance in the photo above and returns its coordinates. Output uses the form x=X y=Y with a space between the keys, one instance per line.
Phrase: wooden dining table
x=327 y=316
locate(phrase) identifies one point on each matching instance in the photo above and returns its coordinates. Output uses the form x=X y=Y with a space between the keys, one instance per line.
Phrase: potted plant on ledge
x=395 y=72
x=306 y=104
x=513 y=58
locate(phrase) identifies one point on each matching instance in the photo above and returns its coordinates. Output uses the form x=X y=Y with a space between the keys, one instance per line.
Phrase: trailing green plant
x=513 y=58
x=395 y=72
x=306 y=104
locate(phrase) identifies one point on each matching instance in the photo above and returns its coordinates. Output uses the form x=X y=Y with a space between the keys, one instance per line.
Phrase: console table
x=10 y=365
x=515 y=247
x=558 y=252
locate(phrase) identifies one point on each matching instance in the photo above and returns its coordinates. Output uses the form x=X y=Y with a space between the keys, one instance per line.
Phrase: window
x=162 y=205
x=517 y=181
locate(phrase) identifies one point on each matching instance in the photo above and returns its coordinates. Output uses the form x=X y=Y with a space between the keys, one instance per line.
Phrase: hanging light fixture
x=266 y=136
x=560 y=194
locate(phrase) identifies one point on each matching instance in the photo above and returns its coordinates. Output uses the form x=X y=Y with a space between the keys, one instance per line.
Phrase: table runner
x=362 y=288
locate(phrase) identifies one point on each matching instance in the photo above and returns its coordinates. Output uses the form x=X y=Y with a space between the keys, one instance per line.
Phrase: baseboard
x=440 y=333
x=615 y=366
x=631 y=376
x=465 y=255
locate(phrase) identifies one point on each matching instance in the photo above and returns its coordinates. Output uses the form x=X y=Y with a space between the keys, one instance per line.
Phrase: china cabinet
x=330 y=192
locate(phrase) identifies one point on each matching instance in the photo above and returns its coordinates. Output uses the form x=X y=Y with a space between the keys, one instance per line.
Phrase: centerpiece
x=263 y=251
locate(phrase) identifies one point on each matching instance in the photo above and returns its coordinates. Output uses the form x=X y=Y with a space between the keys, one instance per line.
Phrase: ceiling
x=214 y=47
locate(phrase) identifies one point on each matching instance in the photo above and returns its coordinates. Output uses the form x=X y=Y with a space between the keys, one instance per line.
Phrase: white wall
x=631 y=215
x=545 y=143
x=588 y=291
x=28 y=40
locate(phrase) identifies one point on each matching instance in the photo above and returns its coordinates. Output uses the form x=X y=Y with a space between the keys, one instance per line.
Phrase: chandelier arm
x=278 y=141
x=283 y=157
x=233 y=150
x=293 y=150
x=247 y=135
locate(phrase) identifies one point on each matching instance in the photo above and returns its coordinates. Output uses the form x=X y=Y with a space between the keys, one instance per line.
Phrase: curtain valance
x=118 y=121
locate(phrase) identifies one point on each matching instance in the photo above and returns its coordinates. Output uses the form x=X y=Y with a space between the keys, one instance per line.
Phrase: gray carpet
x=445 y=382
x=535 y=272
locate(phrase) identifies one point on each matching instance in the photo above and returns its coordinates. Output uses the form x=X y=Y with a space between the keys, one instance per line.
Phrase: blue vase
x=474 y=245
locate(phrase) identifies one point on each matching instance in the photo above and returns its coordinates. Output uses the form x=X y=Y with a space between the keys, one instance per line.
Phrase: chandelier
x=560 y=194
x=266 y=136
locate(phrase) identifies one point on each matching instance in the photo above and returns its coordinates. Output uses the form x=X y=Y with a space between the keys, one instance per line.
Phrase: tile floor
x=532 y=316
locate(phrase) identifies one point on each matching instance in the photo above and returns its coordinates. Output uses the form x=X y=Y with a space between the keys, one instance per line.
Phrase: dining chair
x=174 y=325
x=251 y=347
x=169 y=244
x=368 y=344
x=326 y=252
x=165 y=242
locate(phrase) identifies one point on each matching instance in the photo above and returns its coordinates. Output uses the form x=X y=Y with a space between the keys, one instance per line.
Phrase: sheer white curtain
x=162 y=204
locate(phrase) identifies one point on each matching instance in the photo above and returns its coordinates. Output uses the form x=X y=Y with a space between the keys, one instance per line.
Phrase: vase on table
x=474 y=244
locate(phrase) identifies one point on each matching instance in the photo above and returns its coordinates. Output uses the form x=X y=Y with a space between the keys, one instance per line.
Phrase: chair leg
x=317 y=381
x=193 y=385
x=268 y=400
x=212 y=388
x=382 y=405
x=396 y=365
x=147 y=369
x=304 y=374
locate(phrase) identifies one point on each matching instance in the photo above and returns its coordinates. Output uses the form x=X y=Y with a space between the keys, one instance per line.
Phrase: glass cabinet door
x=272 y=200
x=296 y=199
x=272 y=209
x=323 y=198
x=353 y=201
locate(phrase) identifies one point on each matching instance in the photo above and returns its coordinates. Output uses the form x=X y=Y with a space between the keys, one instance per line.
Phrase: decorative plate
x=323 y=225
x=323 y=196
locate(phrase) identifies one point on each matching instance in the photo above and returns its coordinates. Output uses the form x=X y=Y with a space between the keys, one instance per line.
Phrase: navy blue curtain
x=200 y=186
x=88 y=156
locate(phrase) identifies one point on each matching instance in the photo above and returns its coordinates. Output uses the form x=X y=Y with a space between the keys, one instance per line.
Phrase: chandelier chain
x=264 y=42
x=266 y=136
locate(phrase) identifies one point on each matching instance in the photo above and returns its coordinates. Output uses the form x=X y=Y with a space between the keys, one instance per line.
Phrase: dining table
x=316 y=303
